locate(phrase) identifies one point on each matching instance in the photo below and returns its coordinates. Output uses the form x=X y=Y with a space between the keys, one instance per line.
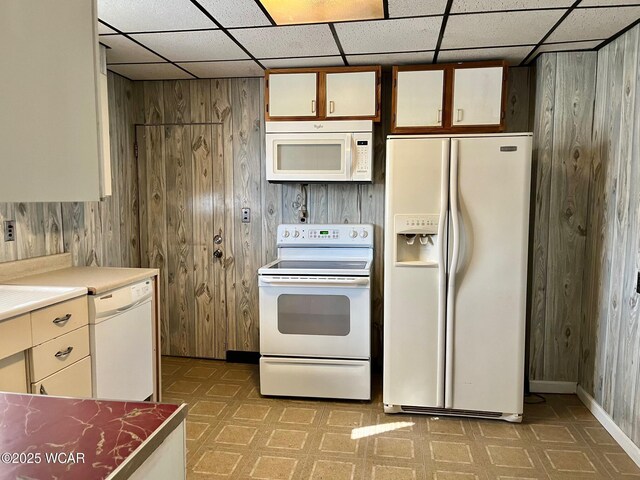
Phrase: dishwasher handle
x=118 y=310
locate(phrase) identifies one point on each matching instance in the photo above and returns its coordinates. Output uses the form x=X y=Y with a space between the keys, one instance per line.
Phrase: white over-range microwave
x=321 y=151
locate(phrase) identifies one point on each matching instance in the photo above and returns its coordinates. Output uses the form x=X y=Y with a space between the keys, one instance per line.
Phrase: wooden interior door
x=182 y=218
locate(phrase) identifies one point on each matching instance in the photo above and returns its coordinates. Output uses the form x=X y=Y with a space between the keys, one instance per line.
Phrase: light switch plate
x=9 y=230
x=246 y=215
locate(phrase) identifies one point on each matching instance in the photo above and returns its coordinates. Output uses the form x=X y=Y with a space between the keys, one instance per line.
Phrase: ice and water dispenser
x=417 y=240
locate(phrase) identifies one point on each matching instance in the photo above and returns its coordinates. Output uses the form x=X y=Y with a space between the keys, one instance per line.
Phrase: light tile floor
x=233 y=432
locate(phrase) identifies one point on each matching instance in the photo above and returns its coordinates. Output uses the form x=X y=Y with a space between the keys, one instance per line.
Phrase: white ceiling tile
x=311 y=62
x=293 y=41
x=391 y=58
x=593 y=23
x=103 y=29
x=236 y=13
x=397 y=35
x=487 y=5
x=513 y=55
x=123 y=50
x=242 y=68
x=597 y=3
x=190 y=46
x=498 y=29
x=152 y=15
x=563 y=47
x=408 y=8
x=150 y=71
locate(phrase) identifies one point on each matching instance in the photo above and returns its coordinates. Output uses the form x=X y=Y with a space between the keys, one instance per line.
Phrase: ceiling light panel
x=123 y=50
x=465 y=6
x=242 y=68
x=334 y=61
x=398 y=35
x=150 y=71
x=236 y=13
x=590 y=23
x=391 y=58
x=410 y=8
x=152 y=15
x=190 y=46
x=498 y=29
x=291 y=41
x=513 y=55
x=292 y=12
x=566 y=46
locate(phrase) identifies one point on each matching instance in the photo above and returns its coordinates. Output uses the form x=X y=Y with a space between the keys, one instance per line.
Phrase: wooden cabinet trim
x=321 y=91
x=447 y=110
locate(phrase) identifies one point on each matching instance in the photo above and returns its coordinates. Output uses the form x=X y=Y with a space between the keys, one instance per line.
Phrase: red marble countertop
x=106 y=433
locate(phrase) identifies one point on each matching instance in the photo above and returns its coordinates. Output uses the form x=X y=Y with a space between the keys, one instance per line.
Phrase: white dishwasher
x=121 y=333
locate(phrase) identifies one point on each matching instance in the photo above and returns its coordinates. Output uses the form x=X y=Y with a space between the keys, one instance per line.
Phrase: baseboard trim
x=541 y=386
x=610 y=426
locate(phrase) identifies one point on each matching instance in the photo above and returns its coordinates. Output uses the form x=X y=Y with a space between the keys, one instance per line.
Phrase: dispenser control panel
x=425 y=223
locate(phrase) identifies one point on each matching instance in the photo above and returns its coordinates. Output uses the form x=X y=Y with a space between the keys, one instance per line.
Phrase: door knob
x=217 y=239
x=217 y=253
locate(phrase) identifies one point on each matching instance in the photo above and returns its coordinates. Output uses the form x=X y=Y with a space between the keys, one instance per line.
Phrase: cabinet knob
x=332 y=106
x=313 y=106
x=43 y=391
x=459 y=117
x=439 y=120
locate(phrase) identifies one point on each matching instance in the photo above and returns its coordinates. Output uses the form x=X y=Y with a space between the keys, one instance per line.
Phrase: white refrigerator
x=455 y=280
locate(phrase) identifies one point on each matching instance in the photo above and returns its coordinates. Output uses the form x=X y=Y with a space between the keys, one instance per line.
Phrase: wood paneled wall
x=562 y=156
x=96 y=233
x=610 y=347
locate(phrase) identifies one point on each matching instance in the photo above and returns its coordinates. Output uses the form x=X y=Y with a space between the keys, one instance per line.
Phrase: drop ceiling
x=172 y=39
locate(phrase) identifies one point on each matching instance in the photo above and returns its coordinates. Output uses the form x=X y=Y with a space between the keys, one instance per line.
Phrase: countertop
x=18 y=299
x=114 y=437
x=97 y=279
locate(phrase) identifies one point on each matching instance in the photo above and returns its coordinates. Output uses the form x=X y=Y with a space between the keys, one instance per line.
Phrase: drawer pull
x=42 y=390
x=61 y=354
x=64 y=319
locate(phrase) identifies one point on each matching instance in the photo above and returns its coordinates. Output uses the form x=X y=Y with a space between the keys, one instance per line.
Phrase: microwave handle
x=348 y=155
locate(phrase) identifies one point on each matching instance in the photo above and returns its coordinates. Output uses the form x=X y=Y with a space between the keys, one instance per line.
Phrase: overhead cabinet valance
x=341 y=93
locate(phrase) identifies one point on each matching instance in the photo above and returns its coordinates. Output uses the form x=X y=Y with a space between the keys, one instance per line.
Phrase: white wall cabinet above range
x=293 y=95
x=51 y=146
x=351 y=94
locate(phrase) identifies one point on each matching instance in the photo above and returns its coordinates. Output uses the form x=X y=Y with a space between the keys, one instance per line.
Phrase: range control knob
x=285 y=234
x=296 y=234
x=364 y=234
x=353 y=234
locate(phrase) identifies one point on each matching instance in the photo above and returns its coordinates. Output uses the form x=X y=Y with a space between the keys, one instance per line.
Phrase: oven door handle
x=304 y=282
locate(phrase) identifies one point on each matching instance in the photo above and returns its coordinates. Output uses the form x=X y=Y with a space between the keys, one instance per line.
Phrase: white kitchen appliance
x=315 y=313
x=121 y=334
x=321 y=151
x=456 y=229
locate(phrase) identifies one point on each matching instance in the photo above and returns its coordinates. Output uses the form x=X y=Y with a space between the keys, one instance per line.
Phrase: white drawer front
x=58 y=353
x=73 y=381
x=58 y=319
x=15 y=335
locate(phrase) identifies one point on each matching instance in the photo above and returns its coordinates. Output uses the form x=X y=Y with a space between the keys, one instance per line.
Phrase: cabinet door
x=419 y=97
x=293 y=95
x=351 y=94
x=73 y=381
x=13 y=374
x=477 y=96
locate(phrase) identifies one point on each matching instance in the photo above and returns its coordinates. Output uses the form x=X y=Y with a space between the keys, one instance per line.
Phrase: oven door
x=309 y=157
x=315 y=316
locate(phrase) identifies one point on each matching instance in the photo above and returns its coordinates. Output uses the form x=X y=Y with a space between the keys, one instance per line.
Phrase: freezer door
x=490 y=184
x=415 y=272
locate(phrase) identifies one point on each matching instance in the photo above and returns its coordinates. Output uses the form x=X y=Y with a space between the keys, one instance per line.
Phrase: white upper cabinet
x=419 y=98
x=293 y=95
x=351 y=94
x=477 y=96
x=50 y=147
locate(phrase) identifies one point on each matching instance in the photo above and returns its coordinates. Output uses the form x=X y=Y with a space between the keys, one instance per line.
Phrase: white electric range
x=315 y=313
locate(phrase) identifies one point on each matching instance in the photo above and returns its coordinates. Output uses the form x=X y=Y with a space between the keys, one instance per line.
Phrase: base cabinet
x=72 y=381
x=13 y=374
x=168 y=461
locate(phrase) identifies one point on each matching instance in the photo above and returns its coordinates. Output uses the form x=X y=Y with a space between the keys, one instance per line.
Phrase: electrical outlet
x=246 y=215
x=9 y=230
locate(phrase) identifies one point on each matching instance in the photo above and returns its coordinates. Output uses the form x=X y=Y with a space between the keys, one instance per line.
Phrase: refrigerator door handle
x=442 y=272
x=451 y=290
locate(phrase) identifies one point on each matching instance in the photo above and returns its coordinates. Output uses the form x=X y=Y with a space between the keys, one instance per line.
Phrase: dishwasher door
x=122 y=350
